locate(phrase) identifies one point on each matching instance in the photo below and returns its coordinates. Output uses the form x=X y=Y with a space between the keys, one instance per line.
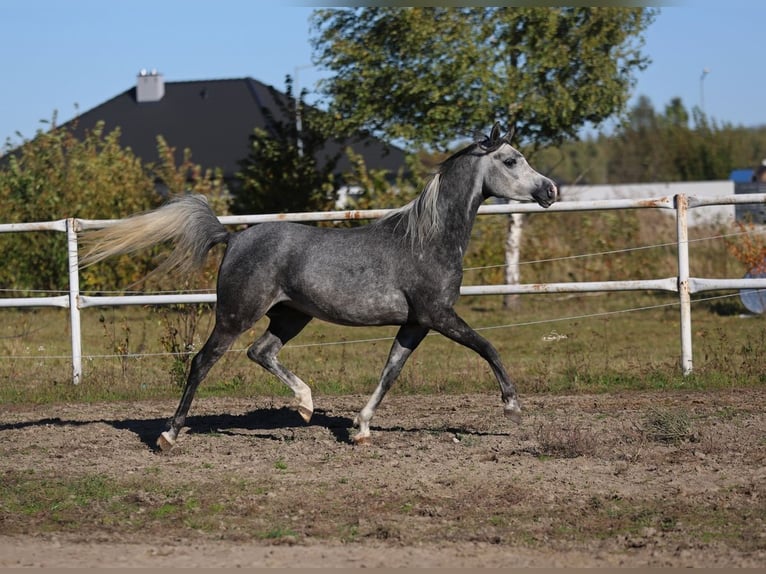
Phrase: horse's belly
x=361 y=306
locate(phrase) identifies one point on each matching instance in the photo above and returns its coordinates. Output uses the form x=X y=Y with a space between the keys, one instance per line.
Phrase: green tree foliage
x=373 y=189
x=663 y=147
x=189 y=177
x=428 y=76
x=287 y=168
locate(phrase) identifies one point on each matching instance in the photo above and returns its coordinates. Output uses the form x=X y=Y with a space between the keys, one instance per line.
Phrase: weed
x=277 y=533
x=120 y=344
x=565 y=441
x=166 y=509
x=496 y=520
x=349 y=533
x=465 y=439
x=180 y=324
x=667 y=426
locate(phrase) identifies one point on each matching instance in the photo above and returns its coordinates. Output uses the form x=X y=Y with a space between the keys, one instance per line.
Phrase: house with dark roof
x=212 y=118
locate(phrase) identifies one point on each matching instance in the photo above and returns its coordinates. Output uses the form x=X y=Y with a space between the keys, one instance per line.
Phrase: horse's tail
x=186 y=221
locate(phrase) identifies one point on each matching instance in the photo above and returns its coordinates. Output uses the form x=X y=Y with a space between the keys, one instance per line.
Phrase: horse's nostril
x=552 y=192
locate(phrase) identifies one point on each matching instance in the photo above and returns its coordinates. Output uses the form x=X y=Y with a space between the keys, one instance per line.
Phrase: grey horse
x=404 y=269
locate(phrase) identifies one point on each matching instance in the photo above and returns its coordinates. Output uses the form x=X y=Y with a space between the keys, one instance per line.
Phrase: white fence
x=682 y=283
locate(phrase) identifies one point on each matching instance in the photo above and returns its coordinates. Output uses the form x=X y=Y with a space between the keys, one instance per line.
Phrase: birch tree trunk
x=512 y=257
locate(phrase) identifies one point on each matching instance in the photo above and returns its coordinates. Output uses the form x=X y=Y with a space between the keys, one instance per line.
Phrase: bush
x=55 y=175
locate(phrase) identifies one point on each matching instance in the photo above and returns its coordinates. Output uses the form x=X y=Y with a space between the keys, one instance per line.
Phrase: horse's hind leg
x=217 y=344
x=285 y=324
x=407 y=340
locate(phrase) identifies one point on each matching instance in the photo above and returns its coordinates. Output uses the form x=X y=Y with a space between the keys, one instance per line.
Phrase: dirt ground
x=630 y=479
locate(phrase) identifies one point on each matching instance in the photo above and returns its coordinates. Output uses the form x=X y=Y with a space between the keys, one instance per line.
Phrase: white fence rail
x=682 y=283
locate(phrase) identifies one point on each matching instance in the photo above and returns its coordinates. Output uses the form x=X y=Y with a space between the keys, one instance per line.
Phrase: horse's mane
x=420 y=217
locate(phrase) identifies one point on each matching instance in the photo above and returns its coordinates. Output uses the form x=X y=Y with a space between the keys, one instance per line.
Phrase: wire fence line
x=619 y=251
x=377 y=339
x=682 y=284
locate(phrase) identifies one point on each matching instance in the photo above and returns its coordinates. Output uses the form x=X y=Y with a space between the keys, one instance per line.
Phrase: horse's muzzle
x=547 y=194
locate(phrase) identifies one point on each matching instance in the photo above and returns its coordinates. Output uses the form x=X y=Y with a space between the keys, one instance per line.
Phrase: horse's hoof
x=514 y=415
x=304 y=406
x=362 y=440
x=165 y=442
x=305 y=413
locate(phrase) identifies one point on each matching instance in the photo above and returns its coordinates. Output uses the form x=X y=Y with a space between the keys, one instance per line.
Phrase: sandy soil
x=630 y=479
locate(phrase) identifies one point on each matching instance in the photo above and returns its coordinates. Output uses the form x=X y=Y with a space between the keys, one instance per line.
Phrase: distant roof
x=212 y=118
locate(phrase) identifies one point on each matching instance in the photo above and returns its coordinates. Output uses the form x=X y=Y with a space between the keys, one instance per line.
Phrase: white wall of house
x=714 y=214
x=347 y=195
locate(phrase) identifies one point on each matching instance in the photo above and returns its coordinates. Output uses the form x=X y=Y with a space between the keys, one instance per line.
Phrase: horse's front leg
x=452 y=326
x=407 y=340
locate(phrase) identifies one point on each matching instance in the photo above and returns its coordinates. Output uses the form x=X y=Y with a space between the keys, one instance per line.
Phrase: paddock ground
x=665 y=478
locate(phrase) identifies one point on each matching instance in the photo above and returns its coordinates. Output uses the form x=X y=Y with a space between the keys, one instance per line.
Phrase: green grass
x=39 y=500
x=551 y=344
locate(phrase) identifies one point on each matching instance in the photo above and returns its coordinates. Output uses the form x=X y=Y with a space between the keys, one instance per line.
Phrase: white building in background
x=714 y=214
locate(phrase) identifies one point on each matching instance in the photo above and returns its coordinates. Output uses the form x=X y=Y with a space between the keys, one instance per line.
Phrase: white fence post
x=74 y=299
x=684 y=298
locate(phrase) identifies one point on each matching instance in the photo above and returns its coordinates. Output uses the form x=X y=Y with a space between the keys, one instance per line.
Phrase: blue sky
x=64 y=55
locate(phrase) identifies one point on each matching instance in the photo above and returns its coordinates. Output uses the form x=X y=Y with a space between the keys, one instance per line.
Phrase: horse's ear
x=510 y=133
x=495 y=134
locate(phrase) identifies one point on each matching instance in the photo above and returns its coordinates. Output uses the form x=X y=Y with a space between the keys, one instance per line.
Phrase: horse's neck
x=458 y=205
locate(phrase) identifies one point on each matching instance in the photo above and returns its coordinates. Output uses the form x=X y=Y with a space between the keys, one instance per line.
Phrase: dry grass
x=670 y=426
x=599 y=348
x=561 y=439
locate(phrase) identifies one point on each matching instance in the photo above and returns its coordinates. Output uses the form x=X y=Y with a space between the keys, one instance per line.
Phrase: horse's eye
x=510 y=162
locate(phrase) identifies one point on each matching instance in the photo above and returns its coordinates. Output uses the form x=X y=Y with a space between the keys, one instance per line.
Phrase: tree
x=427 y=76
x=639 y=155
x=677 y=144
x=287 y=168
x=664 y=147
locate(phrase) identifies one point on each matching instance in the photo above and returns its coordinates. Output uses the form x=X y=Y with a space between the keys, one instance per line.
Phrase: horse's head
x=507 y=173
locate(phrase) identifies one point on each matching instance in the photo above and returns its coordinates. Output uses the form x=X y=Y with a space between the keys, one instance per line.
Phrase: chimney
x=150 y=86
